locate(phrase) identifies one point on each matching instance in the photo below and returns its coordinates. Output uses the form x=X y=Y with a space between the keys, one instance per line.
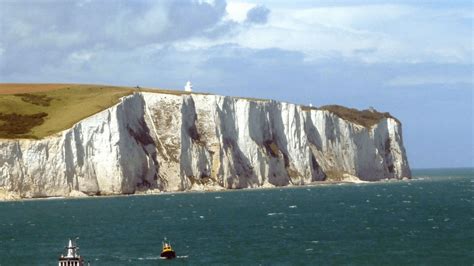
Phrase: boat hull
x=168 y=254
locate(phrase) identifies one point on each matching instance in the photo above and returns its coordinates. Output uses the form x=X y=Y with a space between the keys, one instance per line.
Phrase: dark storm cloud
x=258 y=15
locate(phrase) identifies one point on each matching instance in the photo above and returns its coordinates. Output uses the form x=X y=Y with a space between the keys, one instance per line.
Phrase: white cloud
x=237 y=10
x=348 y=17
x=375 y=33
x=369 y=33
x=81 y=57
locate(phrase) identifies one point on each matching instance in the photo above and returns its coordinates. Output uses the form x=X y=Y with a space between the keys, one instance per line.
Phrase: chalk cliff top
x=39 y=110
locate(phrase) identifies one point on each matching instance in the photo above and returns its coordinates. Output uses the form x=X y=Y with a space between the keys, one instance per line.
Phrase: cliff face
x=181 y=142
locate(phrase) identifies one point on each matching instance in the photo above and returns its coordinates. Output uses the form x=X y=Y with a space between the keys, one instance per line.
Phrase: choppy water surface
x=428 y=220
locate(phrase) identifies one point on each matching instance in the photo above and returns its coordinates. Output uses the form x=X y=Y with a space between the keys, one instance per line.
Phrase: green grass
x=39 y=110
x=164 y=91
x=45 y=109
x=364 y=118
x=171 y=92
x=253 y=99
x=40 y=114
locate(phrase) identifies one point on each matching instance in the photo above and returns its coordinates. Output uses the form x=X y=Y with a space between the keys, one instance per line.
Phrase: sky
x=413 y=59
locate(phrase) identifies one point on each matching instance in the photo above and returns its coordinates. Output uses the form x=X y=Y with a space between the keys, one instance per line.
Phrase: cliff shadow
x=141 y=167
x=277 y=147
x=315 y=143
x=195 y=162
x=240 y=166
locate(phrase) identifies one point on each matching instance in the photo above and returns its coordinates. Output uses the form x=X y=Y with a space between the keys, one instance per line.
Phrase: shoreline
x=201 y=191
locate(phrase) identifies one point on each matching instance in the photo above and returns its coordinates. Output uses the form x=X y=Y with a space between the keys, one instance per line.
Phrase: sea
x=428 y=220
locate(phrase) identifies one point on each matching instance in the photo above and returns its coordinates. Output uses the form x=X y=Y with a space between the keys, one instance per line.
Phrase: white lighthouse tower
x=188 y=87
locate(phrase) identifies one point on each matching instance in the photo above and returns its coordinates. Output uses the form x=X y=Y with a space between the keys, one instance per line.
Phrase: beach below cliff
x=12 y=196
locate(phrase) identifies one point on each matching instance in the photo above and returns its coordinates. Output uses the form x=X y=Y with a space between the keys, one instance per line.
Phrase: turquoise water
x=428 y=220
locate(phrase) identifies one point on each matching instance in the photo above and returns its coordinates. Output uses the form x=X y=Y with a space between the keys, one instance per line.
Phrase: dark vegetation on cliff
x=366 y=118
x=14 y=124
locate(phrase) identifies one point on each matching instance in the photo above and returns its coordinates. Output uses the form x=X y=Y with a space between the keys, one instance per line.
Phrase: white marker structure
x=188 y=87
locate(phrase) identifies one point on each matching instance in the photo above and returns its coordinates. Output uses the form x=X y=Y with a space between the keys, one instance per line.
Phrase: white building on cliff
x=188 y=87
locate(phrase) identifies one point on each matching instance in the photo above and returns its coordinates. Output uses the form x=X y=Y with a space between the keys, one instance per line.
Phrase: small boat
x=72 y=257
x=167 y=251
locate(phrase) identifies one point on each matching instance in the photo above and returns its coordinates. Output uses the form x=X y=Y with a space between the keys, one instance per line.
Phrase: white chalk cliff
x=166 y=142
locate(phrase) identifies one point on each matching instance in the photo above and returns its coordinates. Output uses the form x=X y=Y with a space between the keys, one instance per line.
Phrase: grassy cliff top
x=39 y=110
x=366 y=118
